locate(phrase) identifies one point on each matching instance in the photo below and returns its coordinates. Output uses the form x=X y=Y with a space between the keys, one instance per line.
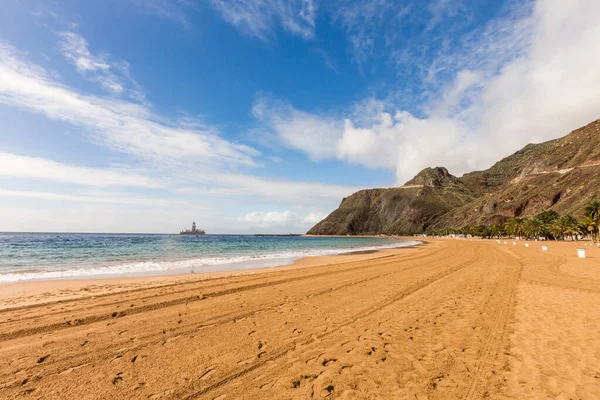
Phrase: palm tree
x=535 y=227
x=589 y=226
x=557 y=230
x=497 y=231
x=564 y=226
x=571 y=226
x=593 y=212
x=515 y=226
x=548 y=217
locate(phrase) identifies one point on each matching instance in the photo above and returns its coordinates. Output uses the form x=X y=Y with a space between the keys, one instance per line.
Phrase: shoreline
x=37 y=291
x=197 y=264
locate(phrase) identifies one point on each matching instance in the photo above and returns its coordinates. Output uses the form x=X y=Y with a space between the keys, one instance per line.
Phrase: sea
x=50 y=256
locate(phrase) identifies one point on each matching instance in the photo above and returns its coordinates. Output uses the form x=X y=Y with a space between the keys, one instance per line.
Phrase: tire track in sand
x=493 y=339
x=168 y=303
x=222 y=319
x=318 y=337
x=157 y=338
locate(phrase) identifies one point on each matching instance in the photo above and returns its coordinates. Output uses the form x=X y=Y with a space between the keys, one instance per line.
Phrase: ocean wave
x=206 y=264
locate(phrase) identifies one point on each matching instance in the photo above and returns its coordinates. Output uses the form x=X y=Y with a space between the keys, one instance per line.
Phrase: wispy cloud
x=124 y=198
x=271 y=190
x=175 y=10
x=368 y=22
x=113 y=76
x=426 y=41
x=315 y=134
x=440 y=9
x=121 y=126
x=42 y=11
x=260 y=17
x=22 y=167
x=327 y=59
x=184 y=158
x=527 y=77
x=274 y=219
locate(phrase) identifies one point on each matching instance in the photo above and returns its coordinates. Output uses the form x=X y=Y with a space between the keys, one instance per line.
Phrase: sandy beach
x=448 y=320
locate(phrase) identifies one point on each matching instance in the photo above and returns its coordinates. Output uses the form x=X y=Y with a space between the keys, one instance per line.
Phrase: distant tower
x=194 y=226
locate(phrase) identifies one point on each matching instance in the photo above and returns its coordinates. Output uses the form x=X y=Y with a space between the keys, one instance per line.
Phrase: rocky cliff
x=561 y=175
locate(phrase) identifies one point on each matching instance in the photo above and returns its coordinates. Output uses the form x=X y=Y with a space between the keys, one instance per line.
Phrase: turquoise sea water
x=34 y=256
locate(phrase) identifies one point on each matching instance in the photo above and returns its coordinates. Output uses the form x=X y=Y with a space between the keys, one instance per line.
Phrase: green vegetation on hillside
x=558 y=176
x=547 y=224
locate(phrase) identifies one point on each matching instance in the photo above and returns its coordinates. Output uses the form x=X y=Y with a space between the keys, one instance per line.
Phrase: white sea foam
x=207 y=264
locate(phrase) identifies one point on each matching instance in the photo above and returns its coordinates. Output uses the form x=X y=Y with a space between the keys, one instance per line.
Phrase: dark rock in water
x=561 y=175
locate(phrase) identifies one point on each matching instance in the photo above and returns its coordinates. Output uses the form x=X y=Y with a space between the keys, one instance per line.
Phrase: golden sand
x=449 y=320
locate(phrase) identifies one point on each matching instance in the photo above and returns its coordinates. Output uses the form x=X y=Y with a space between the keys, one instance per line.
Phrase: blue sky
x=261 y=115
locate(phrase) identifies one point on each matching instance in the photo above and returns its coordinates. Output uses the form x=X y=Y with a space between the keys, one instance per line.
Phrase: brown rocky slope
x=561 y=174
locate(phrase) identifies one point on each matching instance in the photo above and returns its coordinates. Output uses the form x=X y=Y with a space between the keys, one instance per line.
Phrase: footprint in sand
x=345 y=368
x=43 y=358
x=327 y=391
x=118 y=378
x=299 y=382
x=328 y=361
x=117 y=357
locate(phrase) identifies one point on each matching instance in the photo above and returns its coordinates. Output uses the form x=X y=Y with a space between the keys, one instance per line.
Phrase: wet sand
x=450 y=320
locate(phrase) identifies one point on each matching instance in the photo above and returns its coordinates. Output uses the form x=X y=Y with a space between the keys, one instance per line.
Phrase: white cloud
x=380 y=141
x=75 y=50
x=443 y=8
x=174 y=10
x=22 y=167
x=123 y=198
x=372 y=23
x=185 y=159
x=195 y=161
x=278 y=219
x=313 y=218
x=267 y=219
x=427 y=40
x=113 y=76
x=314 y=134
x=538 y=82
x=259 y=17
x=70 y=216
x=119 y=125
x=271 y=190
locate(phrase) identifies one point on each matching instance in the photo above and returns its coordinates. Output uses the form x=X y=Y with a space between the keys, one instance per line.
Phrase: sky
x=252 y=116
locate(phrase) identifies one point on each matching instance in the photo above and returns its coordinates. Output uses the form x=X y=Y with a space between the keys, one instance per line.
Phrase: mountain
x=561 y=174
